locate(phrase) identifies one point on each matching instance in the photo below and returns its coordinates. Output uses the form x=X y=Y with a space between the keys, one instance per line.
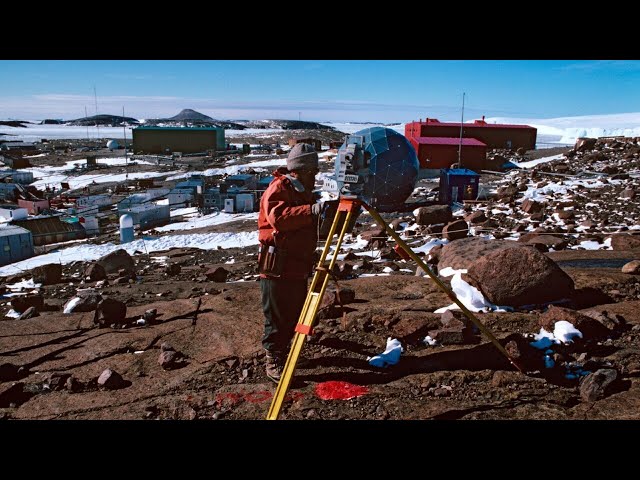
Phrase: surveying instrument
x=376 y=169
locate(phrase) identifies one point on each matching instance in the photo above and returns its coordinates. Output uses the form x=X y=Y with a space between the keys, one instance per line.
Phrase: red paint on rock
x=339 y=390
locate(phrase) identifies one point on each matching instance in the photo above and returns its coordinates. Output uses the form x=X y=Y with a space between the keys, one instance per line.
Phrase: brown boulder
x=531 y=206
x=95 y=272
x=22 y=303
x=218 y=274
x=519 y=276
x=633 y=267
x=463 y=252
x=110 y=311
x=625 y=241
x=584 y=143
x=412 y=327
x=117 y=260
x=476 y=217
x=455 y=230
x=434 y=214
x=589 y=327
x=49 y=274
x=551 y=241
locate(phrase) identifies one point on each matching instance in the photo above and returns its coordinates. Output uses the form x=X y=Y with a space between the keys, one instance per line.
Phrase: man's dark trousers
x=282 y=302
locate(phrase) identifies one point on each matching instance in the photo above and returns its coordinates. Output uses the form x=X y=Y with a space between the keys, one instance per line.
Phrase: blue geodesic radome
x=392 y=170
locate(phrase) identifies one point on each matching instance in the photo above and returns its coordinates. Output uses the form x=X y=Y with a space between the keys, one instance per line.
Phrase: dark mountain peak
x=108 y=120
x=189 y=114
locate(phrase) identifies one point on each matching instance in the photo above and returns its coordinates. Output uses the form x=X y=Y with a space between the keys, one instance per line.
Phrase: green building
x=162 y=140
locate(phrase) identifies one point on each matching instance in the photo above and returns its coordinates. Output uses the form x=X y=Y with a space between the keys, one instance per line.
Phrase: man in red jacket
x=287 y=231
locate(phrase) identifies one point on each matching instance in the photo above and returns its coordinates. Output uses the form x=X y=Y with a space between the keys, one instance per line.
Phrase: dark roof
x=466 y=141
x=462 y=171
x=180 y=128
x=476 y=124
x=45 y=226
x=10 y=230
x=240 y=176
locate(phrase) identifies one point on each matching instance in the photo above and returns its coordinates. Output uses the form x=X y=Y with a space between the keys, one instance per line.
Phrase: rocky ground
x=178 y=333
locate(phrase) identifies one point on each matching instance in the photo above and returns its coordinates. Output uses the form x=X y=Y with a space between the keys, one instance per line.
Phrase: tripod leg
x=310 y=308
x=376 y=216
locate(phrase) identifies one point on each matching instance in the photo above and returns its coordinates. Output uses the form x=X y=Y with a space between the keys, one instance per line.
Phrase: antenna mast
x=124 y=129
x=461 y=124
x=95 y=96
x=85 y=116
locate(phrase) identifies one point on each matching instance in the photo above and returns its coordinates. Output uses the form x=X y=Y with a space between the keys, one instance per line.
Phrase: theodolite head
x=377 y=165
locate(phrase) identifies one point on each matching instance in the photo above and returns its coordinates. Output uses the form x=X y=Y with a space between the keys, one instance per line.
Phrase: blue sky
x=318 y=90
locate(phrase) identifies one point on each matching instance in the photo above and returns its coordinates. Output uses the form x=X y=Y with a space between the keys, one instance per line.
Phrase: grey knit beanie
x=302 y=157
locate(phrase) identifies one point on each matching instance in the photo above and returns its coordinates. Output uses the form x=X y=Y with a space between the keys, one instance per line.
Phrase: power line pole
x=461 y=124
x=85 y=118
x=124 y=129
x=95 y=96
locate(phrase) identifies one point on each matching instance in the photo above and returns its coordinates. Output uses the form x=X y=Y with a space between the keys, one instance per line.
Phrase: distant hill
x=189 y=114
x=189 y=117
x=107 y=120
x=51 y=121
x=14 y=123
x=286 y=124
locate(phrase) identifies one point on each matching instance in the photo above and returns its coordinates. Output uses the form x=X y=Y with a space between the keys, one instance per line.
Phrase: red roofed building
x=493 y=135
x=437 y=143
x=441 y=152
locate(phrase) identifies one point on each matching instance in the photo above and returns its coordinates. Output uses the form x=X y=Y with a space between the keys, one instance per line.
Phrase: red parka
x=285 y=221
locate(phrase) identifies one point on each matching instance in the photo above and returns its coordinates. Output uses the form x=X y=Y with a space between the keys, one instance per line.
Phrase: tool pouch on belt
x=271 y=260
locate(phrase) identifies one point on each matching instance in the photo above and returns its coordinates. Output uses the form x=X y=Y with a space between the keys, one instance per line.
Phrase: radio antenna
x=461 y=124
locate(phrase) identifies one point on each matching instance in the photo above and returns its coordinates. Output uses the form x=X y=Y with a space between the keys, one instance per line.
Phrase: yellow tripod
x=348 y=206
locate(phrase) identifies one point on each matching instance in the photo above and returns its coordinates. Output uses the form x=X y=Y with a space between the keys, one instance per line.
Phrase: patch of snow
x=390 y=356
x=207 y=220
x=24 y=284
x=470 y=297
x=565 y=331
x=12 y=314
x=448 y=271
x=88 y=252
x=71 y=304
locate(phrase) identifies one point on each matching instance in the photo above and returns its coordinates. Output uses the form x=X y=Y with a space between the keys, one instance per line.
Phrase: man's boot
x=274 y=366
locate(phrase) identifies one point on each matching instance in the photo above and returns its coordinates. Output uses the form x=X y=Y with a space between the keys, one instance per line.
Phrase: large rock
x=29 y=313
x=551 y=241
x=95 y=272
x=22 y=303
x=111 y=380
x=584 y=144
x=48 y=274
x=519 y=276
x=463 y=252
x=531 y=206
x=110 y=311
x=594 y=385
x=412 y=327
x=455 y=230
x=375 y=237
x=87 y=301
x=218 y=274
x=117 y=260
x=624 y=241
x=476 y=217
x=434 y=214
x=590 y=328
x=333 y=298
x=633 y=267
